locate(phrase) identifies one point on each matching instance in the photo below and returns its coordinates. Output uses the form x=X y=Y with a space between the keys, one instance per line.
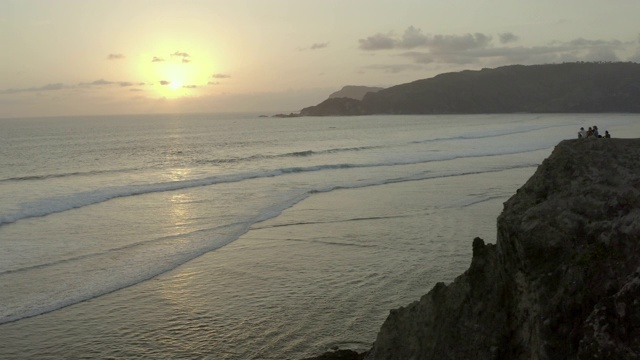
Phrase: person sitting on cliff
x=590 y=132
x=595 y=132
x=582 y=133
x=607 y=135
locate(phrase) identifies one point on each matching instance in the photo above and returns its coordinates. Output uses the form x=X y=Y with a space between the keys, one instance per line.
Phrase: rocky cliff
x=562 y=280
x=551 y=88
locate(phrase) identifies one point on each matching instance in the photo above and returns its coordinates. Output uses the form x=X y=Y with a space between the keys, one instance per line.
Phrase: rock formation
x=346 y=101
x=562 y=281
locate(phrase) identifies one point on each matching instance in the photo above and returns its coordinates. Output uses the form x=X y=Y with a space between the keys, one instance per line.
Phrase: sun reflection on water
x=181 y=210
x=179 y=174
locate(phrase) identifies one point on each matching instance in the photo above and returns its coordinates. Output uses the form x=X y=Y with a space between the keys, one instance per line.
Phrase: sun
x=171 y=77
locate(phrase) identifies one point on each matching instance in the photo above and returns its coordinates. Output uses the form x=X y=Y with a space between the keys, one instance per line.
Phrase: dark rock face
x=450 y=322
x=339 y=355
x=563 y=280
x=552 y=88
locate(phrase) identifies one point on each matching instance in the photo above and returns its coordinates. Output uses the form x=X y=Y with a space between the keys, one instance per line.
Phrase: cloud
x=220 y=76
x=97 y=82
x=48 y=87
x=165 y=82
x=506 y=38
x=496 y=56
x=395 y=68
x=419 y=57
x=185 y=57
x=190 y=86
x=56 y=86
x=479 y=49
x=317 y=46
x=181 y=54
x=456 y=43
x=100 y=84
x=115 y=56
x=377 y=42
x=602 y=54
x=581 y=42
x=213 y=83
x=414 y=38
x=103 y=82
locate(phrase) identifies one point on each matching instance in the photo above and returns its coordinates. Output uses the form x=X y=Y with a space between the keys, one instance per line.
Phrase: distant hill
x=354 y=92
x=554 y=88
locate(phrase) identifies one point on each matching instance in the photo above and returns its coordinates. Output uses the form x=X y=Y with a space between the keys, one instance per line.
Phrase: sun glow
x=175 y=74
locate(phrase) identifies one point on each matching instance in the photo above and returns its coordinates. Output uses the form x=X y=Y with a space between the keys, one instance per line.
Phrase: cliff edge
x=562 y=280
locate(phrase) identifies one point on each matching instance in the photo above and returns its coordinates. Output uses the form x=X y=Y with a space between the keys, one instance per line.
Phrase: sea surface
x=229 y=236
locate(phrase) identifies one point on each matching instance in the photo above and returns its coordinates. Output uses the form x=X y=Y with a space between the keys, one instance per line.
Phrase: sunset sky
x=81 y=57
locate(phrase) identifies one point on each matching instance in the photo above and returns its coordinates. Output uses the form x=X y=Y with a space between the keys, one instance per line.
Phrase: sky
x=97 y=57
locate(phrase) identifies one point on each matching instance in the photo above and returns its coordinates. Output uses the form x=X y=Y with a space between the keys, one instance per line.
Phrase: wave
x=125 y=270
x=68 y=174
x=120 y=268
x=127 y=265
x=63 y=203
x=478 y=136
x=303 y=153
x=335 y=243
x=308 y=153
x=427 y=176
x=330 y=151
x=260 y=157
x=329 y=221
x=103 y=253
x=299 y=153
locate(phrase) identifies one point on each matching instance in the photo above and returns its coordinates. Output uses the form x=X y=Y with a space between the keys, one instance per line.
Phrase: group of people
x=592 y=132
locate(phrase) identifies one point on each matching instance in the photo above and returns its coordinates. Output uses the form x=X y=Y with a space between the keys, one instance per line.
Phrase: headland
x=561 y=282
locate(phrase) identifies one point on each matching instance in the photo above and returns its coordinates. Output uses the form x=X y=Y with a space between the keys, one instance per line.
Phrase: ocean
x=232 y=236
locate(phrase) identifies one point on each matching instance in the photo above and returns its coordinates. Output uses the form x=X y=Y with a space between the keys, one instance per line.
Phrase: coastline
x=562 y=280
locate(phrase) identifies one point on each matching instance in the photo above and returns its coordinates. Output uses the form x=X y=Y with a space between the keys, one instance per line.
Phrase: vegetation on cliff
x=553 y=88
